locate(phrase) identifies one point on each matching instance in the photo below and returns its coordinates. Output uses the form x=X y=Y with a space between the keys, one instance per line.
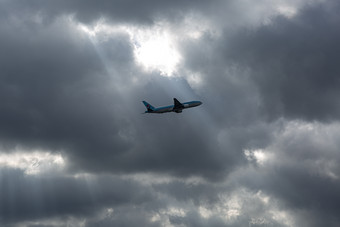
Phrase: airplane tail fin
x=148 y=106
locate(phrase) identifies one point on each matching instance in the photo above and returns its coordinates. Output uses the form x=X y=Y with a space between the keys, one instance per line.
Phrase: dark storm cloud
x=312 y=198
x=302 y=173
x=48 y=80
x=194 y=219
x=59 y=95
x=287 y=68
x=294 y=63
x=63 y=91
x=127 y=11
x=125 y=217
x=26 y=197
x=291 y=61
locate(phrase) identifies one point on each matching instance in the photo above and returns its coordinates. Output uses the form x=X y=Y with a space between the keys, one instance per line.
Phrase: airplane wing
x=177 y=104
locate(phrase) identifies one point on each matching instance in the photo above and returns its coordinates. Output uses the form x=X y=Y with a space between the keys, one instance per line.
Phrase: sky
x=261 y=151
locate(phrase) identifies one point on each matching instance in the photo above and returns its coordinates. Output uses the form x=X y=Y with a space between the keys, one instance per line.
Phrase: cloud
x=59 y=95
x=292 y=62
x=300 y=172
x=130 y=11
x=261 y=150
x=26 y=197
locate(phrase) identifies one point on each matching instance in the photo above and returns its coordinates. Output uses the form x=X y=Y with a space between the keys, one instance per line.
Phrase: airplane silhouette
x=177 y=107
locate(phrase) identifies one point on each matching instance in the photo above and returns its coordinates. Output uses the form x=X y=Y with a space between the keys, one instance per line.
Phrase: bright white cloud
x=287 y=11
x=33 y=162
x=259 y=155
x=156 y=51
x=154 y=48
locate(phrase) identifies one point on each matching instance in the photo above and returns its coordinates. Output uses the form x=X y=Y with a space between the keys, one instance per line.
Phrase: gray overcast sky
x=262 y=150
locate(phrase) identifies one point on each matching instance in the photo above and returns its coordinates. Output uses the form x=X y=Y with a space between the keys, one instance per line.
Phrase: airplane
x=177 y=107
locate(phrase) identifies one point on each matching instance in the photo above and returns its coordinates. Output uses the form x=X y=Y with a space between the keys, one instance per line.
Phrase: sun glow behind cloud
x=157 y=52
x=154 y=48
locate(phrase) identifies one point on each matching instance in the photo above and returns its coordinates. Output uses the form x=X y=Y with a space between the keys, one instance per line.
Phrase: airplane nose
x=199 y=103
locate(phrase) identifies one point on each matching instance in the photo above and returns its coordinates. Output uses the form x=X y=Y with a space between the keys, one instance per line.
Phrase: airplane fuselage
x=170 y=108
x=178 y=107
